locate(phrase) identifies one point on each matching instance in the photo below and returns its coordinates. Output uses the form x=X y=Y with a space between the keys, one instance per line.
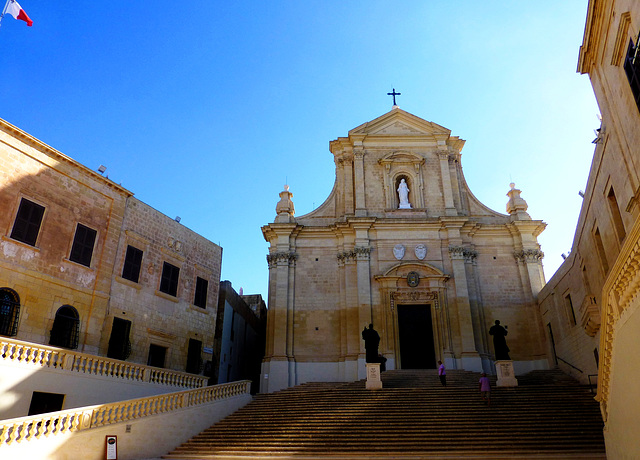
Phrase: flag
x=15 y=10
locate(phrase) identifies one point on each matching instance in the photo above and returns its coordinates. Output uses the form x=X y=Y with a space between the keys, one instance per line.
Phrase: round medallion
x=413 y=279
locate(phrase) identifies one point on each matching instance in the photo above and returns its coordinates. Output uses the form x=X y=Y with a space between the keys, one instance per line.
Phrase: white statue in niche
x=403 y=195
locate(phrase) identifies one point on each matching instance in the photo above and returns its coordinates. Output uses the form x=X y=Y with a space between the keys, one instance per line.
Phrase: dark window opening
x=82 y=248
x=632 y=69
x=194 y=358
x=132 y=264
x=200 y=298
x=66 y=328
x=119 y=343
x=27 y=224
x=9 y=312
x=41 y=403
x=169 y=280
x=157 y=355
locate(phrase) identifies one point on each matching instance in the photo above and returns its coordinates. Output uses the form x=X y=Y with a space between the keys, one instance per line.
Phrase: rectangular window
x=41 y=402
x=82 y=248
x=194 y=358
x=632 y=69
x=27 y=223
x=132 y=264
x=200 y=299
x=169 y=280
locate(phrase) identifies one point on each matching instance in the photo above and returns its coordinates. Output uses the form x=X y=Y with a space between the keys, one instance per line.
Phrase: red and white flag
x=15 y=10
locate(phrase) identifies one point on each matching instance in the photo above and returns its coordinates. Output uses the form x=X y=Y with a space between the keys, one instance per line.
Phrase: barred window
x=9 y=312
x=169 y=280
x=27 y=224
x=82 y=248
x=200 y=298
x=66 y=328
x=132 y=264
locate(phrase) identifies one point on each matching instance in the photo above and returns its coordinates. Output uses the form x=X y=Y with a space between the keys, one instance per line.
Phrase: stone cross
x=394 y=94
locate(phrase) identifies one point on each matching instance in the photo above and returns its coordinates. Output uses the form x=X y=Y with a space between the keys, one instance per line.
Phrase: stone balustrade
x=29 y=353
x=82 y=418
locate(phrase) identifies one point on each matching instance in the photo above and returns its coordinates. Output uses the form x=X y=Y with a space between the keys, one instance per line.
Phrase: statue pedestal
x=506 y=376
x=373 y=376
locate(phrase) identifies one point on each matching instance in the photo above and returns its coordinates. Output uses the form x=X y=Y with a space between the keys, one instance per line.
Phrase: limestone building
x=85 y=266
x=401 y=242
x=590 y=307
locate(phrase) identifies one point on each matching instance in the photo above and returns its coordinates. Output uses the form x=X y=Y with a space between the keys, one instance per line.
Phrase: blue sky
x=205 y=109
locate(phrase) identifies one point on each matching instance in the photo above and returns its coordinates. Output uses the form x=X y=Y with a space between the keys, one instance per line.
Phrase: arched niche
x=403 y=165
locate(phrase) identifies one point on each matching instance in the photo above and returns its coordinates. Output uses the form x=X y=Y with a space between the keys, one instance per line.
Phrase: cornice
x=40 y=146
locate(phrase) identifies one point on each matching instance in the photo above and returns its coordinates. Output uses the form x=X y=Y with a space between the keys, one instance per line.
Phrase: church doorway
x=415 y=331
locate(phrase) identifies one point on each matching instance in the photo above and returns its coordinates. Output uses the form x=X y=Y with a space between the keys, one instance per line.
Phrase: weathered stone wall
x=42 y=275
x=45 y=279
x=159 y=318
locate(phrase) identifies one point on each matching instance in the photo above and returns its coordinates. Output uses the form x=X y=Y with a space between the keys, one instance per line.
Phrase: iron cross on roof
x=394 y=94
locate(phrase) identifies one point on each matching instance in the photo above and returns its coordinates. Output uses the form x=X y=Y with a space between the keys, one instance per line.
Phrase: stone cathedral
x=402 y=243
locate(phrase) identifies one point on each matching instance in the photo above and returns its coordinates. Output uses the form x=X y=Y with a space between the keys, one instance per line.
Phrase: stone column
x=280 y=372
x=470 y=357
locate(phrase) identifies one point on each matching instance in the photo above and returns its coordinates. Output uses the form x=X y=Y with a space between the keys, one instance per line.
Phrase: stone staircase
x=549 y=415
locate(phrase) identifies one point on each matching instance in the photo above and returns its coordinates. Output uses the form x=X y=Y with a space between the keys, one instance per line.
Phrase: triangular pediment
x=397 y=122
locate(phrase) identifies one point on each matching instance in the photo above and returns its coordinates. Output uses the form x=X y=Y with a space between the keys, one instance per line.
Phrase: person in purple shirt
x=442 y=373
x=485 y=388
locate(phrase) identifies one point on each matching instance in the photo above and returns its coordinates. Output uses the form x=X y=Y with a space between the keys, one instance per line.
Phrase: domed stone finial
x=516 y=206
x=285 y=209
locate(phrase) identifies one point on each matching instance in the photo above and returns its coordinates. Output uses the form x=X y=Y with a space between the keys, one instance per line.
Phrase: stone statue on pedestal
x=371 y=342
x=499 y=334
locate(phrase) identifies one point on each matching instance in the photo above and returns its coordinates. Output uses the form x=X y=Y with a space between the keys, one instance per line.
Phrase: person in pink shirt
x=485 y=388
x=442 y=373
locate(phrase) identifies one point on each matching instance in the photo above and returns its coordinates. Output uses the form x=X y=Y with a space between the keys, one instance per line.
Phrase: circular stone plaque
x=413 y=279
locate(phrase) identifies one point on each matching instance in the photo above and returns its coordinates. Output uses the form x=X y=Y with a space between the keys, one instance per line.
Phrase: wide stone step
x=413 y=416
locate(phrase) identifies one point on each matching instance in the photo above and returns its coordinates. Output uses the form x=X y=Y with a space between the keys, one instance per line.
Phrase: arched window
x=66 y=328
x=9 y=311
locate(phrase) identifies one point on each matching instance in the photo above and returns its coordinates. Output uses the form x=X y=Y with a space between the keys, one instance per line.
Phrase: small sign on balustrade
x=112 y=447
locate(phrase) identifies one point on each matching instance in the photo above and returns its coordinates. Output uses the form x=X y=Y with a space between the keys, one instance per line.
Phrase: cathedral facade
x=403 y=244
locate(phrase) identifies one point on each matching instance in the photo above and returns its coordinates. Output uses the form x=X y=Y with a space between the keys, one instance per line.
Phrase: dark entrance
x=416 y=337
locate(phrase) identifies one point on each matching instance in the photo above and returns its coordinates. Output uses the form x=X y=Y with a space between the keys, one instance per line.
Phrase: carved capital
x=362 y=253
x=289 y=257
x=456 y=252
x=529 y=255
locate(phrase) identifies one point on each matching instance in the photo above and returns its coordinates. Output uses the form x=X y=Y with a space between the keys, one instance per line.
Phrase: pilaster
x=443 y=155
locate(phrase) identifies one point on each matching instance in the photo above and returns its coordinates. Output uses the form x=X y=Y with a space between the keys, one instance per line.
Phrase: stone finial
x=516 y=206
x=285 y=209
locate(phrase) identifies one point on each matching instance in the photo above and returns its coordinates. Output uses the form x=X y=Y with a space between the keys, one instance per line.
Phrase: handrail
x=18 y=351
x=569 y=364
x=82 y=418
